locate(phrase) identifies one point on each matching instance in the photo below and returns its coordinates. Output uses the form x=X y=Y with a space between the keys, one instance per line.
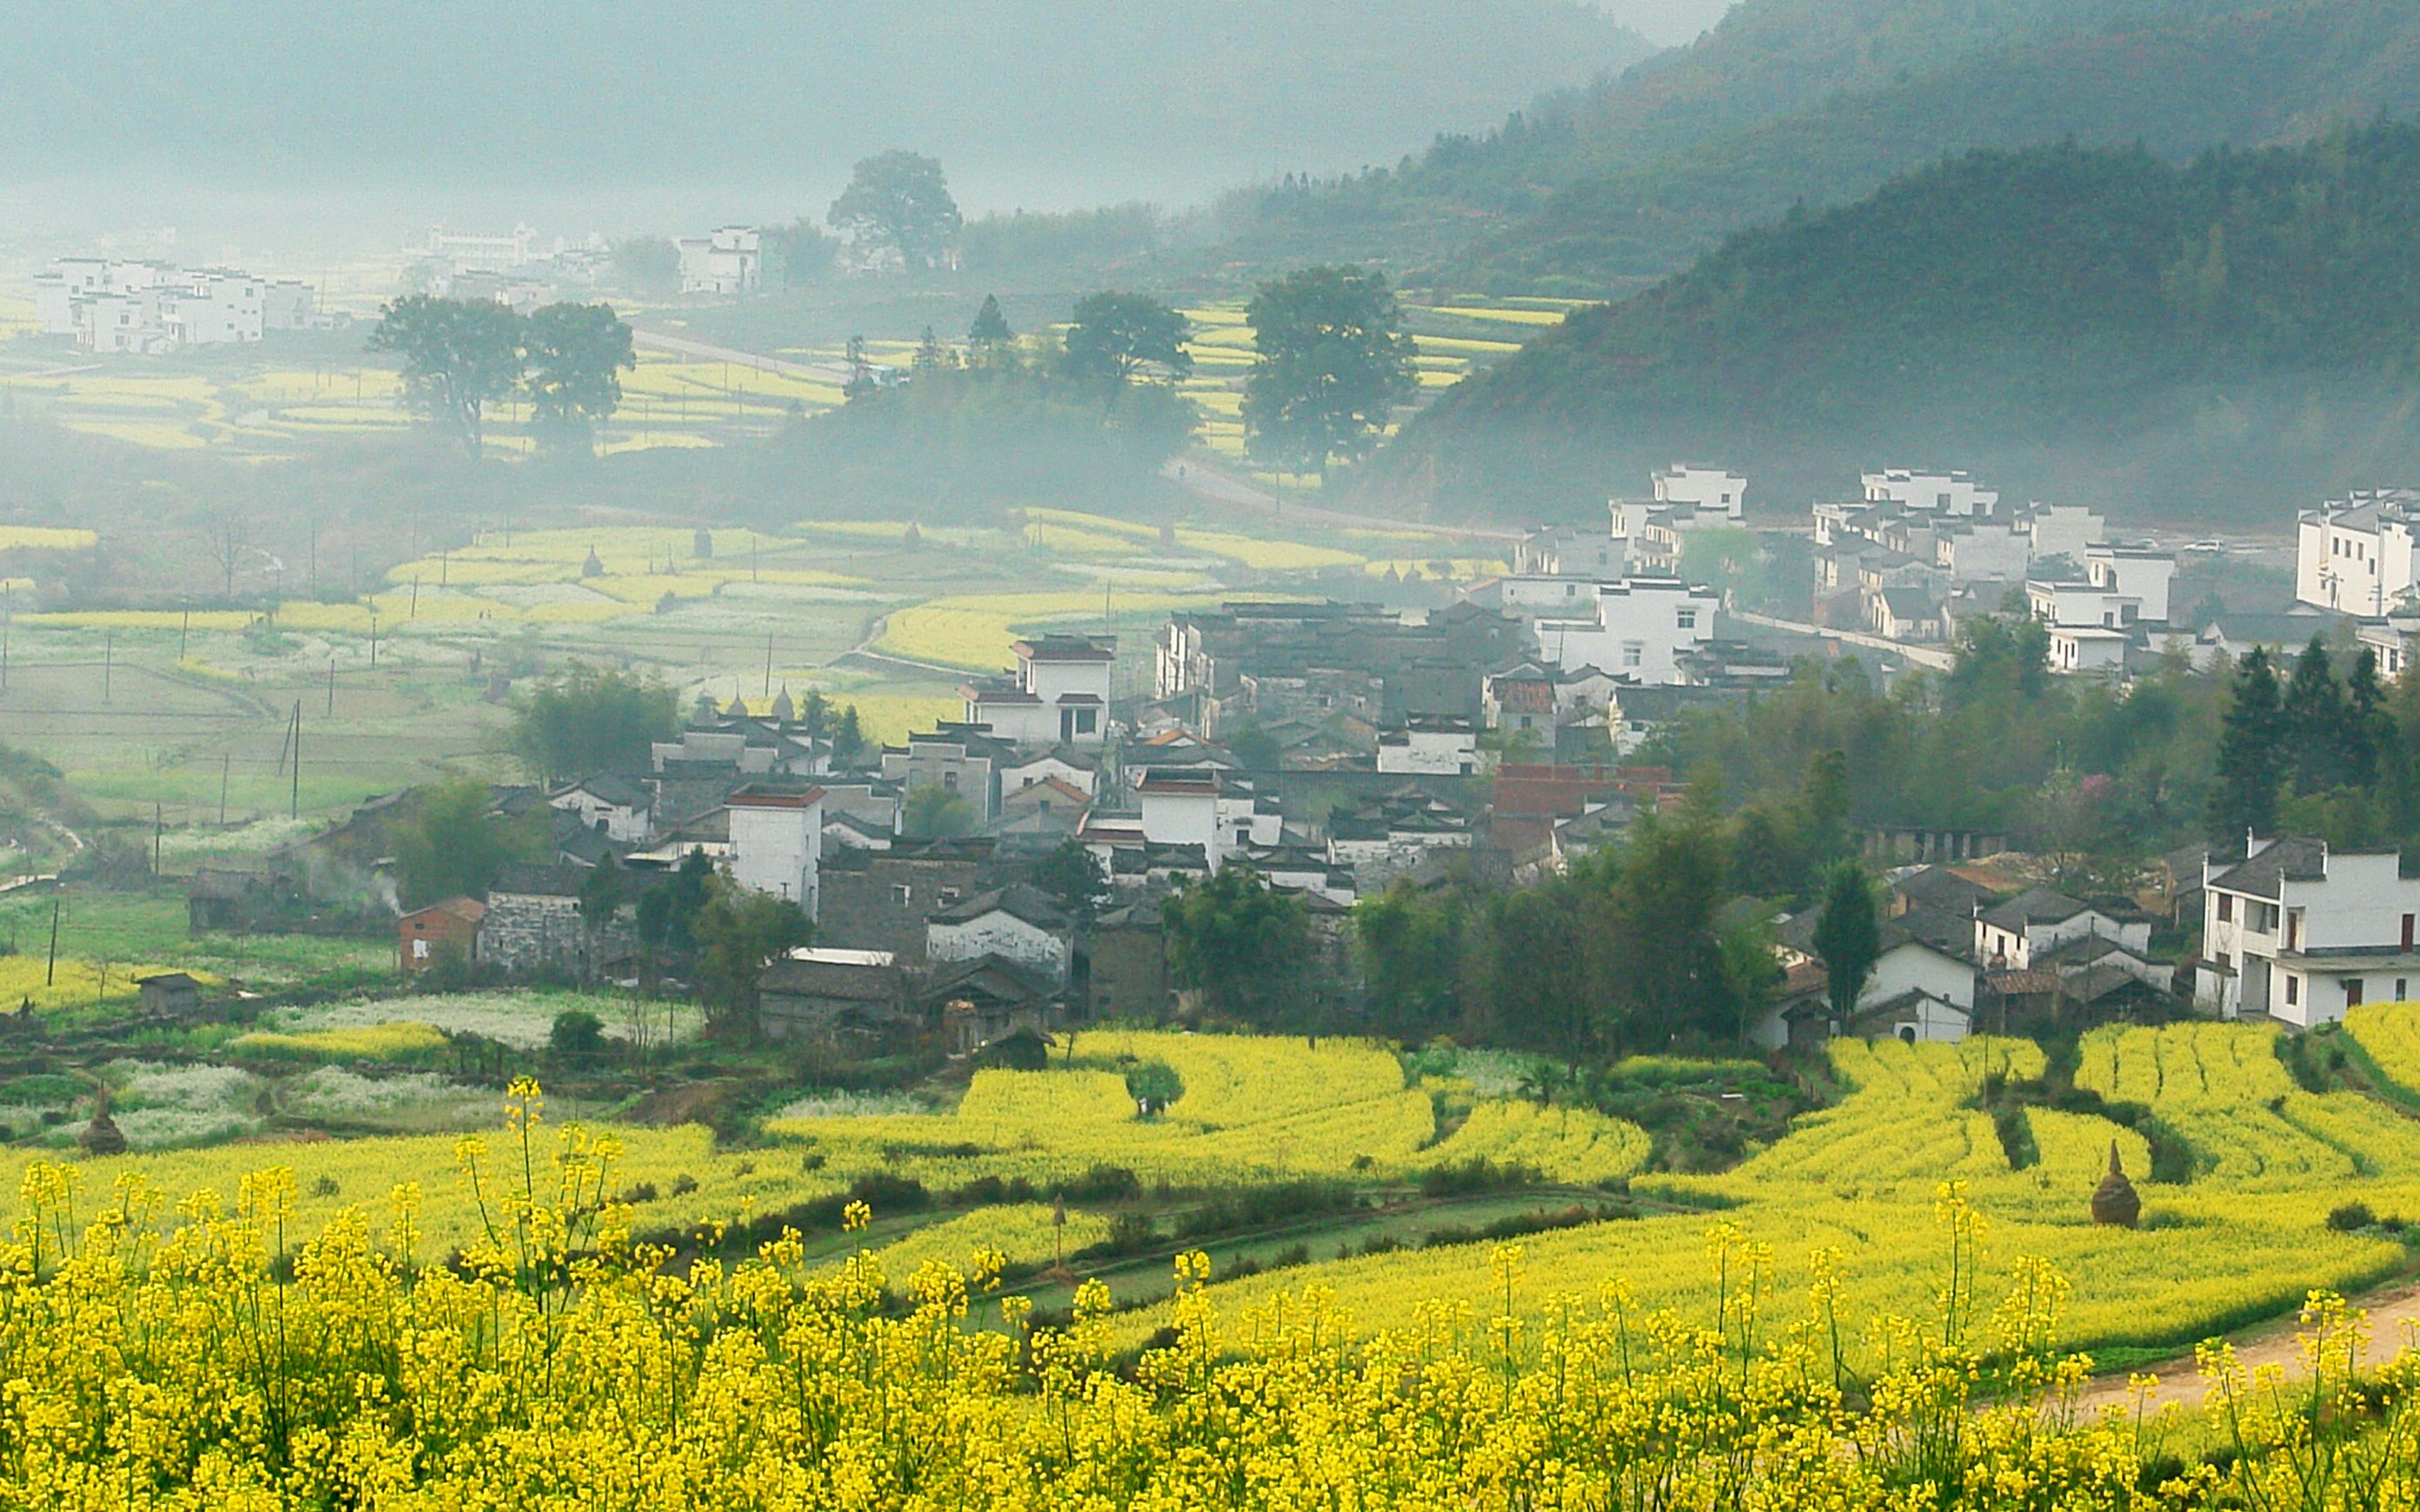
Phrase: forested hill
x=1820 y=102
x=1084 y=99
x=2229 y=336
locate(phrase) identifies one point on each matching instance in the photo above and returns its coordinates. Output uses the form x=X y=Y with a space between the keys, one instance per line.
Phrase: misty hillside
x=1104 y=100
x=2228 y=336
x=1820 y=100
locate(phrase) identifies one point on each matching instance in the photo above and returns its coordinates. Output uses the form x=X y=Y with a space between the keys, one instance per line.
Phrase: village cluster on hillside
x=1334 y=750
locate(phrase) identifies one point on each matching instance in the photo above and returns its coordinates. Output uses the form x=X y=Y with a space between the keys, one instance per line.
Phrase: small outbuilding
x=169 y=993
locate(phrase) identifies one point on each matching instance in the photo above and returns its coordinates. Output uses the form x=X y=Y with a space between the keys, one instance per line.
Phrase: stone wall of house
x=526 y=933
x=1129 y=977
x=864 y=908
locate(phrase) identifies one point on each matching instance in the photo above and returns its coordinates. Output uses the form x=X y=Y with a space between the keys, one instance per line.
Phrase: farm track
x=2392 y=1325
x=1206 y=482
x=708 y=352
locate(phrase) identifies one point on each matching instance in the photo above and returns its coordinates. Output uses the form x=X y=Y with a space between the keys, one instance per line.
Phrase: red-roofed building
x=424 y=934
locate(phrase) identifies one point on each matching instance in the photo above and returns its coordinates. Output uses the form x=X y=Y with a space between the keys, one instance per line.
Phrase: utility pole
x=294 y=799
x=769 y=664
x=155 y=837
x=108 y=654
x=184 y=631
x=51 y=972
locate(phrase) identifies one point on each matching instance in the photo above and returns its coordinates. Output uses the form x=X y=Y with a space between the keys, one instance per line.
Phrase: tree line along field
x=400 y=681
x=270 y=405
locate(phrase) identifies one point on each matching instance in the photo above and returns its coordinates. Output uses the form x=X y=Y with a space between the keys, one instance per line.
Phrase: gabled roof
x=1064 y=755
x=1053 y=789
x=767 y=796
x=1067 y=648
x=1937 y=887
x=2295 y=858
x=1798 y=933
x=990 y=975
x=2088 y=951
x=1947 y=932
x=608 y=787
x=537 y=881
x=469 y=910
x=1017 y=900
x=2035 y=905
x=852 y=982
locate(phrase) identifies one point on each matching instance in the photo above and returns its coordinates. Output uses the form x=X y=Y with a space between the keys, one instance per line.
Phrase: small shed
x=169 y=993
x=422 y=935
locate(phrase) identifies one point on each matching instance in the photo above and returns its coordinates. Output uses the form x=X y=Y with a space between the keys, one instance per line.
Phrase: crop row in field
x=2222 y=1091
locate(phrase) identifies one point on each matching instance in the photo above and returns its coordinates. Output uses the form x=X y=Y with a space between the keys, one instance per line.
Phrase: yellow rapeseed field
x=240 y=1361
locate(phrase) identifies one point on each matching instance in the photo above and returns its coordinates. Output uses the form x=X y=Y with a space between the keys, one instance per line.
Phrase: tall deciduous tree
x=1671 y=886
x=899 y=202
x=1244 y=947
x=452 y=843
x=1333 y=365
x=1074 y=877
x=1848 y=936
x=648 y=266
x=460 y=356
x=1116 y=337
x=2251 y=755
x=739 y=933
x=589 y=720
x=575 y=357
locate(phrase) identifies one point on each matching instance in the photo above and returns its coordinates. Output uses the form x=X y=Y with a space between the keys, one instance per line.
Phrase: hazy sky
x=1666 y=21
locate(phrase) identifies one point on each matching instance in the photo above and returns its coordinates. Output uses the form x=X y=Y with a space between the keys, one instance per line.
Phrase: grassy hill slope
x=1600 y=189
x=2227 y=337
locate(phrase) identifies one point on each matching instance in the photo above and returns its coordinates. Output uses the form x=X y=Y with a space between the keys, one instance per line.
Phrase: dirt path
x=2394 y=1324
x=1207 y=482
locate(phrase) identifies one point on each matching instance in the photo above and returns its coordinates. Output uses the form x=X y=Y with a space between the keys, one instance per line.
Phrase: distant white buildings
x=464 y=252
x=727 y=260
x=2355 y=554
x=113 y=306
x=1647 y=533
x=516 y=268
x=1949 y=495
x=2120 y=602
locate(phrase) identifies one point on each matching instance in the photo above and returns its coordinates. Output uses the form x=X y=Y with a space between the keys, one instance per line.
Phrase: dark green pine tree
x=2251 y=755
x=2316 y=717
x=1848 y=936
x=991 y=329
x=2368 y=730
